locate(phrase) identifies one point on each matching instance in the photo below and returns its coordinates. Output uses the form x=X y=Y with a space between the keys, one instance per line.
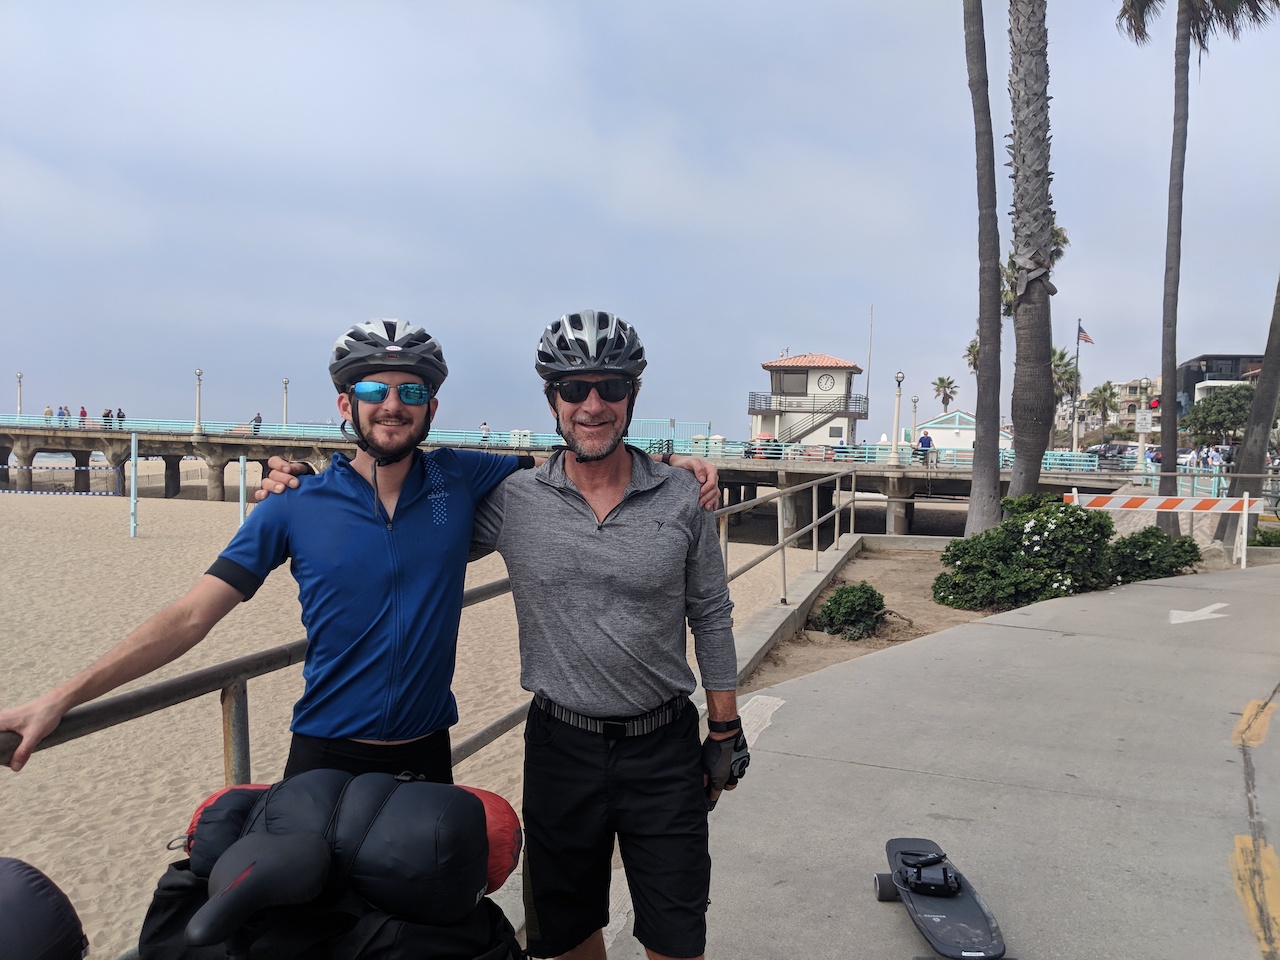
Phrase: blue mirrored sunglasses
x=412 y=394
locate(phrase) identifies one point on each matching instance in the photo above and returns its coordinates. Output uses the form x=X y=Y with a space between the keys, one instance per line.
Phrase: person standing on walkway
x=83 y=414
x=484 y=432
x=257 y=422
x=608 y=556
x=120 y=418
x=48 y=414
x=106 y=417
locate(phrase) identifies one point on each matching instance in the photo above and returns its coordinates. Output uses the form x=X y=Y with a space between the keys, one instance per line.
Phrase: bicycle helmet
x=589 y=341
x=386 y=344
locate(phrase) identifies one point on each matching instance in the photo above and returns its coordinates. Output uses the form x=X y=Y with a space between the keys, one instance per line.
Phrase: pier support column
x=787 y=506
x=897 y=512
x=4 y=465
x=172 y=475
x=217 y=473
x=731 y=496
x=81 y=476
x=25 y=454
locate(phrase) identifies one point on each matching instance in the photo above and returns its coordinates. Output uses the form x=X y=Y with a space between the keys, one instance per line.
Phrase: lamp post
x=897 y=419
x=285 y=419
x=19 y=393
x=1144 y=414
x=914 y=400
x=197 y=431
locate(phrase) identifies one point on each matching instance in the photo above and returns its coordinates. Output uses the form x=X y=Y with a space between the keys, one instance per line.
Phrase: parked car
x=1183 y=452
x=1117 y=450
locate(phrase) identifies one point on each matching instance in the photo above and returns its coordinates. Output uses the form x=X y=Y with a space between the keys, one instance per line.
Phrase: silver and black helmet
x=386 y=344
x=589 y=341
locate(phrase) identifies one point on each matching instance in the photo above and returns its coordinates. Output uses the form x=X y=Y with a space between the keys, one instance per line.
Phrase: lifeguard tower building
x=811 y=399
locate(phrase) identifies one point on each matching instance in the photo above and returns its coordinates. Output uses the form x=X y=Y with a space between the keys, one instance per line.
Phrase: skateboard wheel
x=886 y=889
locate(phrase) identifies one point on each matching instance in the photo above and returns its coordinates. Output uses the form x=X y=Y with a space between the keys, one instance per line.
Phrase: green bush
x=1150 y=553
x=1044 y=549
x=1266 y=538
x=853 y=611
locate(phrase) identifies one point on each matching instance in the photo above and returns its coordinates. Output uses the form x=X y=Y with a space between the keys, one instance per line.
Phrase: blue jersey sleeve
x=258 y=547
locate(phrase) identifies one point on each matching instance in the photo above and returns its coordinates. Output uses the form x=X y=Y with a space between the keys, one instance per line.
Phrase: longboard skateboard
x=941 y=903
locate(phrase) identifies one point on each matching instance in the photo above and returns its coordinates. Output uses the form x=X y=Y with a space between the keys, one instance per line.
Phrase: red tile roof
x=812 y=361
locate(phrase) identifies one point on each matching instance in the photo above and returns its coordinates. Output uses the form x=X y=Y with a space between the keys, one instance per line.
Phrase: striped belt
x=614 y=728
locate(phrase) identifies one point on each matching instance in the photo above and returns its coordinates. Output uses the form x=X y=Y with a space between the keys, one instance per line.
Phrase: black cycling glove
x=725 y=762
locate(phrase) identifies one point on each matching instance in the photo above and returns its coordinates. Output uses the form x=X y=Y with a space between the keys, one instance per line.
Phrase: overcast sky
x=229 y=185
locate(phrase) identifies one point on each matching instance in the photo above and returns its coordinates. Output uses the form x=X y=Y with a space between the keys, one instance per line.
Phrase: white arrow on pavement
x=1204 y=613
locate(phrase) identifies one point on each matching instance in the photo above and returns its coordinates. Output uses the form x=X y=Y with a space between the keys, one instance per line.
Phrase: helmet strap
x=356 y=435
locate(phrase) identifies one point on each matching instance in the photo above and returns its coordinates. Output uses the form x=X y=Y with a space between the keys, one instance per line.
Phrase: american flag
x=1081 y=336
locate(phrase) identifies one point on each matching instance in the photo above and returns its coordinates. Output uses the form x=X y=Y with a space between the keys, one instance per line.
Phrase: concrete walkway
x=1083 y=761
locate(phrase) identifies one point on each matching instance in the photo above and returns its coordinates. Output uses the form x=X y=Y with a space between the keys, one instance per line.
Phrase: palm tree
x=1198 y=20
x=1062 y=370
x=1104 y=400
x=984 y=488
x=945 y=389
x=1008 y=271
x=1033 y=222
x=1062 y=367
x=971 y=355
x=1262 y=417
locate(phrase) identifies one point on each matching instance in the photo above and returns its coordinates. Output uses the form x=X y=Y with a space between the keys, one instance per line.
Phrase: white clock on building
x=826 y=382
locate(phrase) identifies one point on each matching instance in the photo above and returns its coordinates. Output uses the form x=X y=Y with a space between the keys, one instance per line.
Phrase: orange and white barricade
x=1240 y=505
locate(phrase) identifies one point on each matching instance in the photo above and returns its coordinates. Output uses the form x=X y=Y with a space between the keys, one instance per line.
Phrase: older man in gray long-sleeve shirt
x=609 y=554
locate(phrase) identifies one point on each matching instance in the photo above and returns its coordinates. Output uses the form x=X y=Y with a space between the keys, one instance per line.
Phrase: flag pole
x=1075 y=395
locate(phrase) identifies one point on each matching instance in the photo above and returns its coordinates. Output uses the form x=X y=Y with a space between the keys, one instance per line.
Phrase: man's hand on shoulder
x=283 y=475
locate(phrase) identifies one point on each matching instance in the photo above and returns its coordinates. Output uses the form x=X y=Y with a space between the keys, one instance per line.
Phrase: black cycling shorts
x=429 y=756
x=580 y=791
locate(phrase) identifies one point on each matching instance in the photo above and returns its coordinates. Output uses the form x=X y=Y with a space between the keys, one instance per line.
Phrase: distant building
x=1196 y=376
x=1134 y=398
x=954 y=430
x=811 y=399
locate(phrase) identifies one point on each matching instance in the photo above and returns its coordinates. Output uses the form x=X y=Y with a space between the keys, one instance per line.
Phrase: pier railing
x=651 y=436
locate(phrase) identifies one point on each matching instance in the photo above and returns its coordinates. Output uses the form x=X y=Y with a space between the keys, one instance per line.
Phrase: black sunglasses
x=610 y=391
x=412 y=394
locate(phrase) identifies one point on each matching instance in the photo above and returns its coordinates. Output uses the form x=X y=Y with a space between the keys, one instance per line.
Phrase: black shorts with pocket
x=582 y=789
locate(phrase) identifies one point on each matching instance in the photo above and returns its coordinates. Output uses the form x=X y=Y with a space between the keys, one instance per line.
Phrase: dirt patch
x=906 y=580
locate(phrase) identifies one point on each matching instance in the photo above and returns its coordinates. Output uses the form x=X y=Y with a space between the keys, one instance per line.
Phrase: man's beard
x=588 y=451
x=392 y=453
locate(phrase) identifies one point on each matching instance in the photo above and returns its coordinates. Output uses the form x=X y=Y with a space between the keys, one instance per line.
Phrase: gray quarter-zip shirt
x=602 y=605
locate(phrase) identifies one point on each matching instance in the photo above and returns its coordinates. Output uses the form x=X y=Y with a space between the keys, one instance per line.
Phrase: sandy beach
x=96 y=814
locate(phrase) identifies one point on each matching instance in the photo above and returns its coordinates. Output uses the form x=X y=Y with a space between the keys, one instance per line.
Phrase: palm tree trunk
x=1032 y=392
x=1257 y=430
x=1033 y=221
x=1168 y=522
